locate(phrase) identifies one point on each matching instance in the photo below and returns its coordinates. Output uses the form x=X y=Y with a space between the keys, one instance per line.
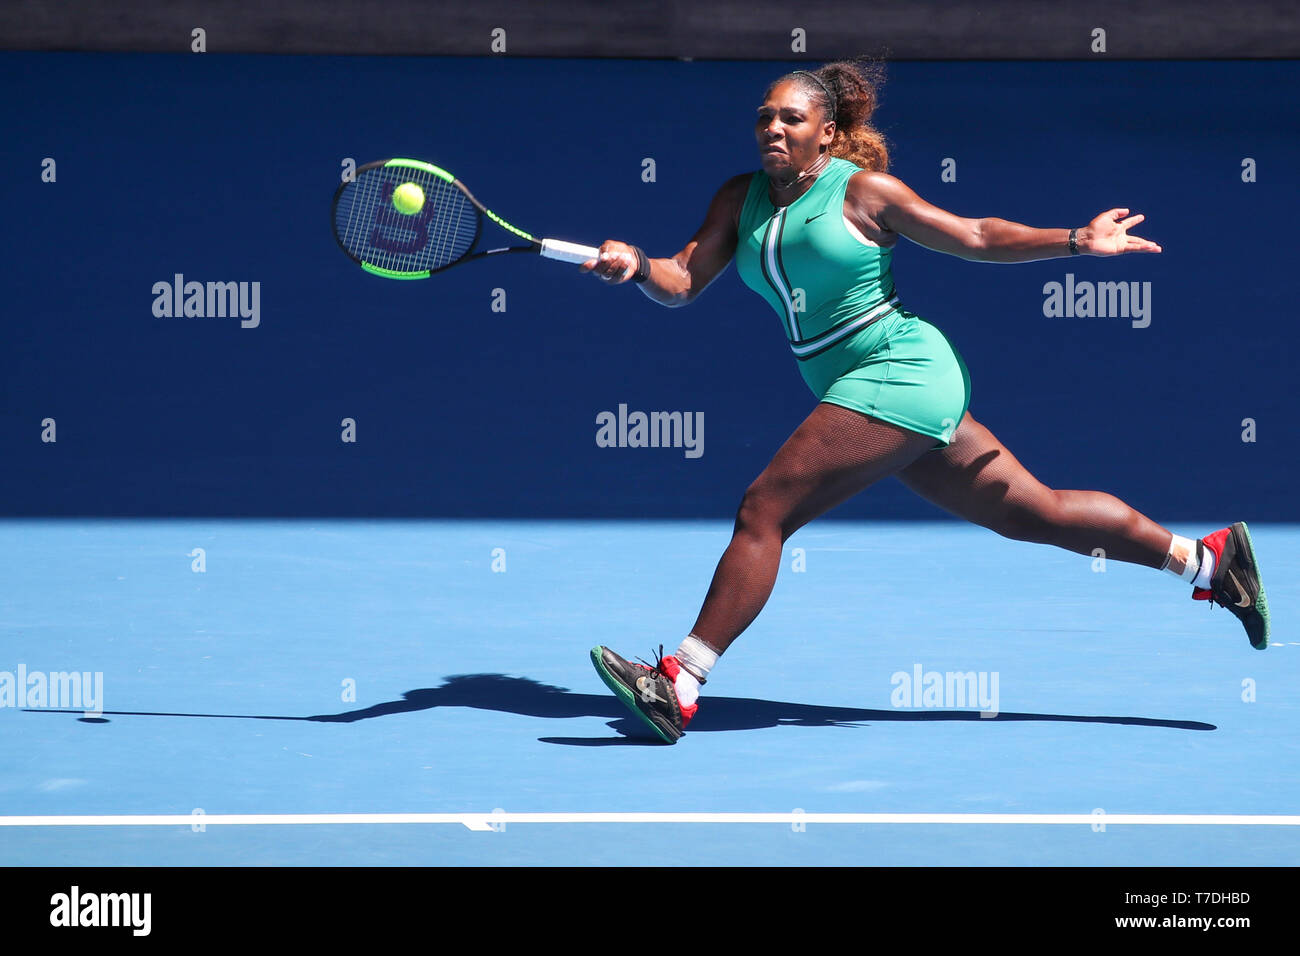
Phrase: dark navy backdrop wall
x=221 y=168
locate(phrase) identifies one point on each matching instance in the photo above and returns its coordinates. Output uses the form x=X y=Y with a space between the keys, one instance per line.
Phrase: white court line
x=486 y=821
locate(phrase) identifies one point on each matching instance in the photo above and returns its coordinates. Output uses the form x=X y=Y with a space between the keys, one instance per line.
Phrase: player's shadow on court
x=521 y=695
x=530 y=698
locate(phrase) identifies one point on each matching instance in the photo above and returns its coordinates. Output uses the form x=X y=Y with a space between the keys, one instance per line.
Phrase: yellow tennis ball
x=408 y=198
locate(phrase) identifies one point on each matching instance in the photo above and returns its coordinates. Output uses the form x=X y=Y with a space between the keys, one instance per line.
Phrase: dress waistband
x=807 y=348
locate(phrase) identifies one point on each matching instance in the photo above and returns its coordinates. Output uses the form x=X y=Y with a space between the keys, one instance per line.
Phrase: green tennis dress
x=856 y=345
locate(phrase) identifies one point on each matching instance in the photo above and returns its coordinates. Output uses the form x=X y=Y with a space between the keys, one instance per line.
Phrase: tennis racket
x=376 y=233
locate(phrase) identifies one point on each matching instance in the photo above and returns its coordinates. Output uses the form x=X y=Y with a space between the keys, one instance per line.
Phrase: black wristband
x=642 y=265
x=1074 y=245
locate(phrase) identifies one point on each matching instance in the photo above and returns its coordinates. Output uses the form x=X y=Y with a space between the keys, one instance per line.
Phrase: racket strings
x=372 y=230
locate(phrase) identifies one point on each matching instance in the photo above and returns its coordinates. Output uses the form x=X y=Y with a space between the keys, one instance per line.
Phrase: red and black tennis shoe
x=1235 y=583
x=647 y=691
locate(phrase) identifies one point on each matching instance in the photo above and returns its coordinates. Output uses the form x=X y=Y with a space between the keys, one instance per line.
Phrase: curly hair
x=855 y=85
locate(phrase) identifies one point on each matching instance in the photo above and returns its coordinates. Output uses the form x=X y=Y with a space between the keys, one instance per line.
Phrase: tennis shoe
x=1235 y=583
x=647 y=691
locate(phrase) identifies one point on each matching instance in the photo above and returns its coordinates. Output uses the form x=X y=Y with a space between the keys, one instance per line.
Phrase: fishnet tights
x=837 y=452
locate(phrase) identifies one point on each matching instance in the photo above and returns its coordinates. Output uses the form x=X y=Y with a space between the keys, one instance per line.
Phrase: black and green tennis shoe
x=1236 y=583
x=646 y=691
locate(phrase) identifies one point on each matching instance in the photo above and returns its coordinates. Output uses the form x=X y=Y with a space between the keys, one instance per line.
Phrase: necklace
x=821 y=163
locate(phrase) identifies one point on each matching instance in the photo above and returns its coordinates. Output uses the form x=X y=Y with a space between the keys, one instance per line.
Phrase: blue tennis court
x=440 y=667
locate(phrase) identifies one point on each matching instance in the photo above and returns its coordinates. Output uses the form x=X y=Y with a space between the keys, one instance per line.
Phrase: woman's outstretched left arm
x=888 y=203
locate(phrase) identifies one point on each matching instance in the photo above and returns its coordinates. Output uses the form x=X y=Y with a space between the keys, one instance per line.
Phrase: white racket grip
x=568 y=251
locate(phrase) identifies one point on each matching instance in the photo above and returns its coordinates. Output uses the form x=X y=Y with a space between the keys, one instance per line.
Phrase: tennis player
x=816 y=227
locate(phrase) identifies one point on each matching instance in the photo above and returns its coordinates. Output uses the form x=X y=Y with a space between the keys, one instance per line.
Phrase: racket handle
x=567 y=251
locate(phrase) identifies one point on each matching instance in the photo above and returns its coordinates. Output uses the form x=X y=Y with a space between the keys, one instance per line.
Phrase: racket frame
x=550 y=248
